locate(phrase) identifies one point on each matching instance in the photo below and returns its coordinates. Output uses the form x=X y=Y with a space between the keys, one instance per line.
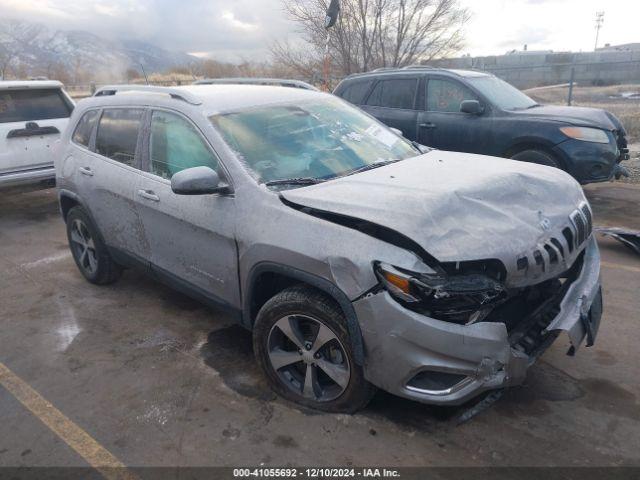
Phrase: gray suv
x=357 y=258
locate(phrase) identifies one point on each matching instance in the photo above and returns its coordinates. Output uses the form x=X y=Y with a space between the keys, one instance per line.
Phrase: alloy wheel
x=84 y=247
x=308 y=358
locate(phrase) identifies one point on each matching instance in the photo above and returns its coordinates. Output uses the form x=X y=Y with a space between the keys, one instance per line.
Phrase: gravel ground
x=633 y=165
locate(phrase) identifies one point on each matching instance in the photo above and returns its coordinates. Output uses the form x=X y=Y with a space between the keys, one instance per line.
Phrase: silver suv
x=357 y=258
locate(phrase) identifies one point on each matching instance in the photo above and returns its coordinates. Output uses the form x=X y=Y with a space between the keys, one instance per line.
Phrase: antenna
x=599 y=22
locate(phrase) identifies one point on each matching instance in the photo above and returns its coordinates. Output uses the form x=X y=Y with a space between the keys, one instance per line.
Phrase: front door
x=442 y=125
x=192 y=238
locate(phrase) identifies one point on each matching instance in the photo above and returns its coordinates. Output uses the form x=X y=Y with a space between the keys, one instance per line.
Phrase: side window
x=176 y=145
x=117 y=135
x=356 y=92
x=446 y=95
x=82 y=135
x=394 y=93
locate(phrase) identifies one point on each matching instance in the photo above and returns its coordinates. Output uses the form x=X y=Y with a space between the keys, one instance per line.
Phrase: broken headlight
x=463 y=299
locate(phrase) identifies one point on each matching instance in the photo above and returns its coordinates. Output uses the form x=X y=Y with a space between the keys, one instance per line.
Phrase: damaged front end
x=459 y=333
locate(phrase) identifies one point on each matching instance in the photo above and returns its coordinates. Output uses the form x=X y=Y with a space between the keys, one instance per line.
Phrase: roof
x=24 y=84
x=213 y=99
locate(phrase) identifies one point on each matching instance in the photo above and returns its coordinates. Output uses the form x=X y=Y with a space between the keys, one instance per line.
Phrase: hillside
x=35 y=50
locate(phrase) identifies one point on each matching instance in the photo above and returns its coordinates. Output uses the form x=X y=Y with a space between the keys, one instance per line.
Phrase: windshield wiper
x=370 y=166
x=294 y=181
x=533 y=106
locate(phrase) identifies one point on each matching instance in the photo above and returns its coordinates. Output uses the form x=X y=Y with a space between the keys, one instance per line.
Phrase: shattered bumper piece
x=630 y=238
x=437 y=362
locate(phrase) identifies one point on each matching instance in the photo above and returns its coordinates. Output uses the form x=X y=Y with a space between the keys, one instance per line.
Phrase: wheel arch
x=67 y=201
x=534 y=143
x=266 y=279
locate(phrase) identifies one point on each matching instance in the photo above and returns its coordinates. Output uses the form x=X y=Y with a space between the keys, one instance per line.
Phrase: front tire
x=88 y=250
x=302 y=344
x=537 y=156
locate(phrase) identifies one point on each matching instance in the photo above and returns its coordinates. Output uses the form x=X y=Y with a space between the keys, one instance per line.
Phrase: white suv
x=32 y=116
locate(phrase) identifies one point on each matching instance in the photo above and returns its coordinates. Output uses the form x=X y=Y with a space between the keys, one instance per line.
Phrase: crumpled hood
x=456 y=206
x=578 y=116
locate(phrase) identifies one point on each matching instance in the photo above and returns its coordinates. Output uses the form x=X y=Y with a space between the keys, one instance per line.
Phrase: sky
x=232 y=30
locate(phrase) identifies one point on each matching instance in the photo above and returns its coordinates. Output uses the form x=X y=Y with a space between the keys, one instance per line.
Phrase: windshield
x=320 y=139
x=501 y=94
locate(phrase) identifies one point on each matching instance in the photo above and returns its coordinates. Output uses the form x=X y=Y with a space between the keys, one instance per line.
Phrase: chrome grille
x=580 y=223
x=557 y=249
x=584 y=208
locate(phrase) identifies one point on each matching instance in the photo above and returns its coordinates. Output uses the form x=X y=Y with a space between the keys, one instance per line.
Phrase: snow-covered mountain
x=35 y=49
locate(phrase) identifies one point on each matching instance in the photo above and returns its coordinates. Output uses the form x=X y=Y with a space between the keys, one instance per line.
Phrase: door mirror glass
x=197 y=181
x=471 y=107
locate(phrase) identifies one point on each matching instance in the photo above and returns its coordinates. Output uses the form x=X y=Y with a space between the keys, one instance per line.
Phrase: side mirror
x=397 y=131
x=471 y=107
x=197 y=181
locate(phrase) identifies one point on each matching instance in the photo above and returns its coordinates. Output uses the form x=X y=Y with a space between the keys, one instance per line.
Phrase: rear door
x=393 y=101
x=31 y=120
x=106 y=177
x=442 y=125
x=192 y=238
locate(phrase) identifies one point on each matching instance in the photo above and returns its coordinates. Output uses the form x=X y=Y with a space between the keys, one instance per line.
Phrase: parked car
x=475 y=112
x=32 y=115
x=356 y=259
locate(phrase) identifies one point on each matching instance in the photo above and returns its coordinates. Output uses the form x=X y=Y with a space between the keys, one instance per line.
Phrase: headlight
x=586 y=134
x=461 y=299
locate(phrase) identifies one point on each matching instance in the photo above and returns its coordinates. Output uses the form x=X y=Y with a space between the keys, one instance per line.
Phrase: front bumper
x=591 y=162
x=401 y=344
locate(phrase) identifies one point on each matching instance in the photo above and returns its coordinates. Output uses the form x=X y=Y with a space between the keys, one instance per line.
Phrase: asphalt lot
x=156 y=379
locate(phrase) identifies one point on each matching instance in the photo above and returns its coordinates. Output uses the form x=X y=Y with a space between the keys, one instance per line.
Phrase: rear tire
x=537 y=156
x=88 y=250
x=302 y=344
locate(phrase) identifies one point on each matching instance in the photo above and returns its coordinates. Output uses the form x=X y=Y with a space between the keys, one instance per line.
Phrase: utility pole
x=330 y=20
x=599 y=22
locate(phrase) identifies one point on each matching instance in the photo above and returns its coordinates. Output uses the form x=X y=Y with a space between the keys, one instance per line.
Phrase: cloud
x=232 y=30
x=228 y=30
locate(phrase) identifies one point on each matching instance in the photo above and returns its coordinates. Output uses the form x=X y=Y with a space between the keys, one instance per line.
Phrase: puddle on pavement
x=605 y=396
x=229 y=351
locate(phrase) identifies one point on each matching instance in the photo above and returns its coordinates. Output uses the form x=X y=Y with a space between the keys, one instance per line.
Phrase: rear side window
x=446 y=96
x=176 y=145
x=394 y=93
x=356 y=92
x=117 y=135
x=32 y=105
x=82 y=135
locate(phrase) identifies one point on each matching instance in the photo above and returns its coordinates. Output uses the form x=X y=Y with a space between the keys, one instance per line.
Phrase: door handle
x=86 y=171
x=428 y=125
x=149 y=195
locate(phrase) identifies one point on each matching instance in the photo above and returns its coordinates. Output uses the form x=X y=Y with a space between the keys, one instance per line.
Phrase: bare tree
x=6 y=57
x=373 y=33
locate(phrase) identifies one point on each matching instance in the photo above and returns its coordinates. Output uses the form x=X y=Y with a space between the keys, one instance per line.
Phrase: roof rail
x=412 y=67
x=281 y=82
x=382 y=69
x=174 y=93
